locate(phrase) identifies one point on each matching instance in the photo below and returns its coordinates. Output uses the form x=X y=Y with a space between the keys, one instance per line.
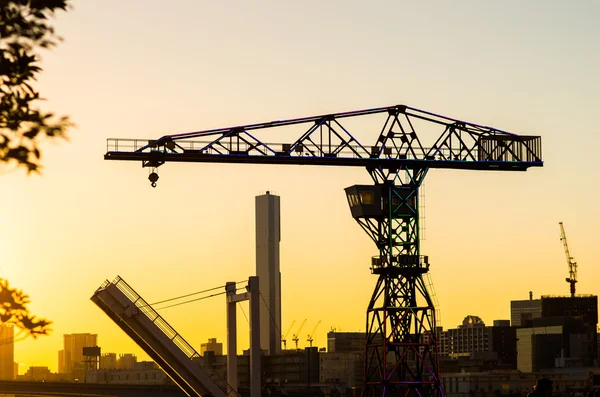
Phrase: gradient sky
x=143 y=69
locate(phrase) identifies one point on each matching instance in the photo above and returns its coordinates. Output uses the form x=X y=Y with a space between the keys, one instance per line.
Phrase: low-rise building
x=473 y=339
x=345 y=342
x=108 y=361
x=38 y=373
x=345 y=368
x=126 y=361
x=553 y=342
x=212 y=346
x=137 y=376
x=565 y=382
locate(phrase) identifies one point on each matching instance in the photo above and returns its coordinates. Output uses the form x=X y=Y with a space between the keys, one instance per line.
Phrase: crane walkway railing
x=489 y=148
x=157 y=338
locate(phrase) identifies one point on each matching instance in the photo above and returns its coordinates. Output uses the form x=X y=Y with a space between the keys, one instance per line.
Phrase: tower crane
x=309 y=339
x=295 y=336
x=284 y=337
x=572 y=279
x=405 y=144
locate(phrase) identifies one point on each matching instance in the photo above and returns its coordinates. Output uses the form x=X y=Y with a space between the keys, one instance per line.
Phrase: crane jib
x=158 y=158
x=328 y=140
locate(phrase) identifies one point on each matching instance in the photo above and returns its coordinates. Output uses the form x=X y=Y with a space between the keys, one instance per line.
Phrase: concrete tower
x=267 y=269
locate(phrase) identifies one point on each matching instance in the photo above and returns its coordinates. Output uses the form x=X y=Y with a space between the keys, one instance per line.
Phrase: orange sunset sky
x=143 y=69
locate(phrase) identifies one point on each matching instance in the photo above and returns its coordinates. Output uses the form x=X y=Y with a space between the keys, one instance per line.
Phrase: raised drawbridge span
x=159 y=340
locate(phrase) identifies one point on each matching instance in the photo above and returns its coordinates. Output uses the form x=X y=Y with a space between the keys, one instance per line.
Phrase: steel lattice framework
x=401 y=351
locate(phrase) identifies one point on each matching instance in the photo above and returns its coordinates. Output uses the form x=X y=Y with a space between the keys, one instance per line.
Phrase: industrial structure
x=268 y=236
x=572 y=279
x=252 y=295
x=401 y=349
x=182 y=363
x=311 y=336
x=296 y=336
x=284 y=336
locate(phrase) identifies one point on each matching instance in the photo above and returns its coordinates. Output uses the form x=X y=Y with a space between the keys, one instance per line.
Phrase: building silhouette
x=345 y=342
x=584 y=307
x=212 y=346
x=72 y=360
x=474 y=340
x=7 y=352
x=61 y=362
x=550 y=340
x=268 y=236
x=291 y=370
x=108 y=361
x=522 y=312
x=126 y=361
x=344 y=361
x=142 y=373
x=38 y=373
x=564 y=336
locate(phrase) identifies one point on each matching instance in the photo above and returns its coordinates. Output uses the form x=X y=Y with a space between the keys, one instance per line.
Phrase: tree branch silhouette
x=25 y=29
x=14 y=310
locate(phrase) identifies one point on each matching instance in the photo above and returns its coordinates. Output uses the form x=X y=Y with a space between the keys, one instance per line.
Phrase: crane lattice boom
x=328 y=140
x=310 y=337
x=284 y=337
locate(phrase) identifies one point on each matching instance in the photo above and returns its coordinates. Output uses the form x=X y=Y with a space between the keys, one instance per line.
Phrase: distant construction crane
x=309 y=339
x=295 y=337
x=284 y=337
x=572 y=279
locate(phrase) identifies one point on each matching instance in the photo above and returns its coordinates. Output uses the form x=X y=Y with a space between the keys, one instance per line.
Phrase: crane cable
x=192 y=294
x=192 y=300
x=269 y=310
x=244 y=312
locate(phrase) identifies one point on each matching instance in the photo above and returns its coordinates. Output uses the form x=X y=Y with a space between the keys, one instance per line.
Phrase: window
x=367 y=198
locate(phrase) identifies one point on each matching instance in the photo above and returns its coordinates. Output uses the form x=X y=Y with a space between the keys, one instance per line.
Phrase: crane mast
x=572 y=279
x=401 y=346
x=296 y=336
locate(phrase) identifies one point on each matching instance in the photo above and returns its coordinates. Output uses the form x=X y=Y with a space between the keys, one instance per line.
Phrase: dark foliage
x=24 y=30
x=13 y=310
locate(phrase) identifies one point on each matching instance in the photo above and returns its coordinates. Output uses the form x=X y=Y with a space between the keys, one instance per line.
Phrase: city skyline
x=219 y=346
x=490 y=237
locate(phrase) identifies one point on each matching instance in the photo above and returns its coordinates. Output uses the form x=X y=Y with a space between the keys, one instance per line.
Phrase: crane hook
x=153 y=177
